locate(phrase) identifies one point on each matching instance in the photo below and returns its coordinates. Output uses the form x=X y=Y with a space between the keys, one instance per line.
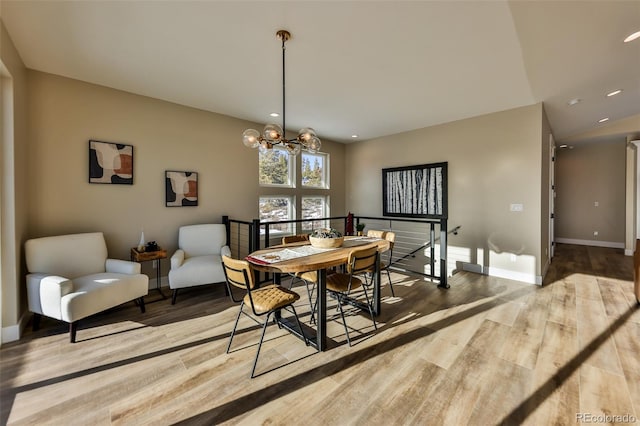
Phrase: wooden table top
x=314 y=262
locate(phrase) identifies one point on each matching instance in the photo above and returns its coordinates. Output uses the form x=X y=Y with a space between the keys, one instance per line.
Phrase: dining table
x=302 y=257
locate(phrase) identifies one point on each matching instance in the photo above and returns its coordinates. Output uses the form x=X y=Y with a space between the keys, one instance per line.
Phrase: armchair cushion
x=67 y=255
x=98 y=292
x=197 y=270
x=199 y=240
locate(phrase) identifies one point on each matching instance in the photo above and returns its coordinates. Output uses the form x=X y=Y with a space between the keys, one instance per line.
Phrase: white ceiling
x=372 y=68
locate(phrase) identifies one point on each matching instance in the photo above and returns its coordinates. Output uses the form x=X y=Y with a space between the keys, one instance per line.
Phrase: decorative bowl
x=326 y=242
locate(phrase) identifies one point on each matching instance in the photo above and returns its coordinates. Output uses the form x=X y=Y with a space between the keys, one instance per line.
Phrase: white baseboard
x=13 y=332
x=502 y=273
x=472 y=267
x=628 y=252
x=609 y=244
x=512 y=275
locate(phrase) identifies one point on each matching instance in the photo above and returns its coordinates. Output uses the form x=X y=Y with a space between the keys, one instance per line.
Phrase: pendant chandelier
x=273 y=134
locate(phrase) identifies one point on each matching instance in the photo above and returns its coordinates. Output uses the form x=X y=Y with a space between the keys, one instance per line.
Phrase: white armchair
x=198 y=260
x=71 y=278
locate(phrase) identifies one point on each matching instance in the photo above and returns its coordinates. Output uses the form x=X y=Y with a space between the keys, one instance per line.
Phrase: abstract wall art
x=181 y=189
x=415 y=191
x=110 y=163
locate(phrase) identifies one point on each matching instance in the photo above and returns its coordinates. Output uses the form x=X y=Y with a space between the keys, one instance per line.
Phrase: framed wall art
x=415 y=191
x=181 y=189
x=110 y=163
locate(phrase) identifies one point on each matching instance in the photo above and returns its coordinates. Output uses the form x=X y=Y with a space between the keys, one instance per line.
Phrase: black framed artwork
x=181 y=189
x=110 y=162
x=415 y=191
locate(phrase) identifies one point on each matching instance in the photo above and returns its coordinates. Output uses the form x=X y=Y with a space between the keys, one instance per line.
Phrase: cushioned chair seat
x=99 y=292
x=271 y=298
x=340 y=282
x=197 y=271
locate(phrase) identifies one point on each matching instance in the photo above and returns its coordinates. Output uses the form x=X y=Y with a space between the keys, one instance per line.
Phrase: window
x=277 y=208
x=276 y=168
x=315 y=170
x=314 y=207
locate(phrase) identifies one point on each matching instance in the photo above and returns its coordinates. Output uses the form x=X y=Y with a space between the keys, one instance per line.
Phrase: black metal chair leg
x=255 y=362
x=306 y=341
x=141 y=303
x=344 y=321
x=390 y=284
x=235 y=326
x=312 y=305
x=73 y=327
x=370 y=310
x=174 y=296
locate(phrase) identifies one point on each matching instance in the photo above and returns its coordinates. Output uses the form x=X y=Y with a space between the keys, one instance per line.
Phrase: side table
x=146 y=256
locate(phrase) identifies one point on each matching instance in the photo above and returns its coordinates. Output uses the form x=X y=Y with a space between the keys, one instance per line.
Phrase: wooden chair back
x=239 y=273
x=362 y=260
x=295 y=238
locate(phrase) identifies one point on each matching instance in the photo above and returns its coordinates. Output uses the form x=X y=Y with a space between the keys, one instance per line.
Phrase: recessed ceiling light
x=573 y=102
x=354 y=136
x=615 y=92
x=632 y=37
x=602 y=120
x=274 y=114
x=564 y=145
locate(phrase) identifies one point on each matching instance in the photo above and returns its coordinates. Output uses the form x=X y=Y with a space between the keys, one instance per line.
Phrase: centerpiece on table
x=326 y=238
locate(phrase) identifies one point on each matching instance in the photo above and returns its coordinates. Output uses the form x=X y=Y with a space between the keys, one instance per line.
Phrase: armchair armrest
x=118 y=266
x=52 y=289
x=225 y=251
x=177 y=259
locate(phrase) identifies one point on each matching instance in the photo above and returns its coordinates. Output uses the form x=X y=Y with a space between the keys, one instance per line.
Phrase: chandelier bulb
x=251 y=138
x=272 y=132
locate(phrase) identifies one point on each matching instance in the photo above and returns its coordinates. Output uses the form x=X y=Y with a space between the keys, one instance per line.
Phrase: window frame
x=325 y=170
x=291 y=164
x=326 y=212
x=292 y=211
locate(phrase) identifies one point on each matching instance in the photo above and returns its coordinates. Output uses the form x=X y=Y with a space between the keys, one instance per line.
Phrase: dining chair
x=290 y=239
x=384 y=265
x=340 y=284
x=262 y=300
x=310 y=279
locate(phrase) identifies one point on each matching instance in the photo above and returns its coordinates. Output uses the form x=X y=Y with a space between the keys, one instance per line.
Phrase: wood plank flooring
x=486 y=351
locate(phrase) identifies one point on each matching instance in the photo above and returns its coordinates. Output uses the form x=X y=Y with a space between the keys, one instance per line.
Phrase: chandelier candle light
x=273 y=134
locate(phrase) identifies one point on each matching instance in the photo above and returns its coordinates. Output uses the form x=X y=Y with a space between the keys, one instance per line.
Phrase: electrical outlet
x=596 y=204
x=517 y=207
x=595 y=233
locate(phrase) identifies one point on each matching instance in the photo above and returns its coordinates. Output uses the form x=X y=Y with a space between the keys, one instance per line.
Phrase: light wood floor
x=486 y=351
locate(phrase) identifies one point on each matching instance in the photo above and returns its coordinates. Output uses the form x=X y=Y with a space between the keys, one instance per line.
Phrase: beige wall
x=494 y=161
x=65 y=114
x=589 y=173
x=14 y=180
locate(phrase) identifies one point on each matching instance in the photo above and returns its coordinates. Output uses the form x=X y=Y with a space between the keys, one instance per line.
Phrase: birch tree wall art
x=415 y=191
